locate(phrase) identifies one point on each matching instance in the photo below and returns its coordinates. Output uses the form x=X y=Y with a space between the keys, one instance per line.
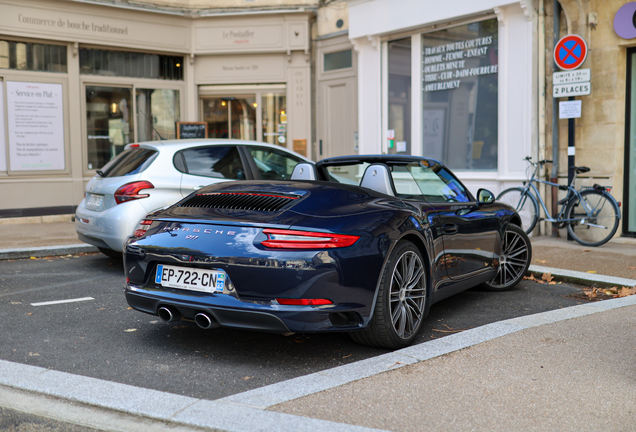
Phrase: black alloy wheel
x=402 y=302
x=514 y=259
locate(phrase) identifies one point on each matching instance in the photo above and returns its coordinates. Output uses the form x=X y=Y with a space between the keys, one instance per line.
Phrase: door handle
x=450 y=228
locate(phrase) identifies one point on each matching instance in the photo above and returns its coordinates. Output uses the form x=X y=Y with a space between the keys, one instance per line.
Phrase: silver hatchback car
x=149 y=176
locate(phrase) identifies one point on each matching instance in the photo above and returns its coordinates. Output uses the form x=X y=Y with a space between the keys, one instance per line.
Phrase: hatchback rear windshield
x=131 y=161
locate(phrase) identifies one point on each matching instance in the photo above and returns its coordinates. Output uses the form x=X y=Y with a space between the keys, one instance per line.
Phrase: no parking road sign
x=570 y=52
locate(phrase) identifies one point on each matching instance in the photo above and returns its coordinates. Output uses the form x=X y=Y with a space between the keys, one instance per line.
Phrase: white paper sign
x=570 y=109
x=433 y=133
x=3 y=142
x=36 y=126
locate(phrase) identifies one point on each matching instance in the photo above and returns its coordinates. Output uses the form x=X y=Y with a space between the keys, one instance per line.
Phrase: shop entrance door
x=629 y=194
x=250 y=112
x=231 y=117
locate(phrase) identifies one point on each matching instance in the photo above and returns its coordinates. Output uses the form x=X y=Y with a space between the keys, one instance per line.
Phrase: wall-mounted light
x=113 y=108
x=254 y=104
x=178 y=65
x=223 y=103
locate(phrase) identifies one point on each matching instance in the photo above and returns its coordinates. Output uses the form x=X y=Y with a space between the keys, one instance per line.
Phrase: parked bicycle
x=590 y=214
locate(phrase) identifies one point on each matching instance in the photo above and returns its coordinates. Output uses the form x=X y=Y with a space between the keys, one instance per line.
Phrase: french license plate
x=95 y=200
x=211 y=281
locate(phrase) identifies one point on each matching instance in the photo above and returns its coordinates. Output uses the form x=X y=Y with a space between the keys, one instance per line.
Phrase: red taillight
x=304 y=302
x=133 y=145
x=142 y=227
x=130 y=191
x=290 y=239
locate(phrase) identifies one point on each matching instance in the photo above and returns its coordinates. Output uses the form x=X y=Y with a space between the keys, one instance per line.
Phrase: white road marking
x=62 y=301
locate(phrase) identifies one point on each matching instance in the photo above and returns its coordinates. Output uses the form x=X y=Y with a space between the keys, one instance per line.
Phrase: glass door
x=109 y=123
x=246 y=112
x=231 y=117
x=629 y=216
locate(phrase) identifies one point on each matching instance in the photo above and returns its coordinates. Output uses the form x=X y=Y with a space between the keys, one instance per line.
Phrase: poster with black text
x=36 y=126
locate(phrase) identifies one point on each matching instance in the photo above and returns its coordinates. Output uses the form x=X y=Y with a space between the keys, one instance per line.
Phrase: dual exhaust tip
x=202 y=319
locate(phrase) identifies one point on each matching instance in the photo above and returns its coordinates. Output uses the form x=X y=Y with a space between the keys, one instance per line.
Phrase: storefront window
x=130 y=64
x=32 y=56
x=157 y=114
x=460 y=91
x=109 y=124
x=274 y=109
x=399 y=134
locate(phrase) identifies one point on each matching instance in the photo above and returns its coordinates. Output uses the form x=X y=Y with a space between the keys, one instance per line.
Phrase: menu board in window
x=192 y=130
x=36 y=126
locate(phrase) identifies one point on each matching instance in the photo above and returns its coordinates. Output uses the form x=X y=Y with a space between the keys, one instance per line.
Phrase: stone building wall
x=600 y=132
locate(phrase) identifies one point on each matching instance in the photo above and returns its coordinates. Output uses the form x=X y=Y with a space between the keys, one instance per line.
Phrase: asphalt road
x=101 y=337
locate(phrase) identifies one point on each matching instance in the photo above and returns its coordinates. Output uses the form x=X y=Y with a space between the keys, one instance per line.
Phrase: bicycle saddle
x=580 y=170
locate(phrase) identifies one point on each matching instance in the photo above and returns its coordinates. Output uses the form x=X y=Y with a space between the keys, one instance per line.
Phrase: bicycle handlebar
x=541 y=162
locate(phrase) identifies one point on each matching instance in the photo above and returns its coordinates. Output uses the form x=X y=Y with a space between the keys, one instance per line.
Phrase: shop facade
x=456 y=82
x=79 y=81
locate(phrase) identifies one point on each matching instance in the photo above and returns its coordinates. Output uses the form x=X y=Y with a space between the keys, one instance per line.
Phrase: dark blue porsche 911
x=357 y=244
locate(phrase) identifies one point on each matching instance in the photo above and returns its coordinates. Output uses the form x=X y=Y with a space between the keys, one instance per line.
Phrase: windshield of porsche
x=428 y=180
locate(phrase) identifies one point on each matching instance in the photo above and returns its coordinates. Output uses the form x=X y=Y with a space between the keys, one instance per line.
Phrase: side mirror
x=484 y=196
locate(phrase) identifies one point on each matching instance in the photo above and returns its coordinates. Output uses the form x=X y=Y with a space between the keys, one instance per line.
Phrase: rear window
x=214 y=161
x=131 y=161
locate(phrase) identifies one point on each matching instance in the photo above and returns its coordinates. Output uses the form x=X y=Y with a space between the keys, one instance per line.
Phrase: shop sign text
x=445 y=65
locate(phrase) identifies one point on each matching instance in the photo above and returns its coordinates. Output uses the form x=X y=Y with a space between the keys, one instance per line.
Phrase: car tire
x=514 y=260
x=402 y=302
x=111 y=253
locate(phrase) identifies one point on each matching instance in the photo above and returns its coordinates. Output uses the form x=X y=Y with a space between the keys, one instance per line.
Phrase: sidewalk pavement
x=569 y=369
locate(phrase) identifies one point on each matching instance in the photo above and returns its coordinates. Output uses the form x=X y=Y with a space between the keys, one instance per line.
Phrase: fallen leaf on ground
x=591 y=271
x=547 y=277
x=587 y=250
x=624 y=292
x=592 y=294
x=130 y=330
x=33 y=354
x=632 y=268
x=541 y=261
x=396 y=363
x=347 y=356
x=246 y=378
x=552 y=283
x=531 y=277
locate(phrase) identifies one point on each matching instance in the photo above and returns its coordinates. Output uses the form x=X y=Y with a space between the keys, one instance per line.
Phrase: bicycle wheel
x=526 y=205
x=595 y=225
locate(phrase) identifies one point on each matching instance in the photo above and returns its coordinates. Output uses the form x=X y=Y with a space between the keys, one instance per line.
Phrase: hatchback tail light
x=130 y=191
x=142 y=227
x=290 y=239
